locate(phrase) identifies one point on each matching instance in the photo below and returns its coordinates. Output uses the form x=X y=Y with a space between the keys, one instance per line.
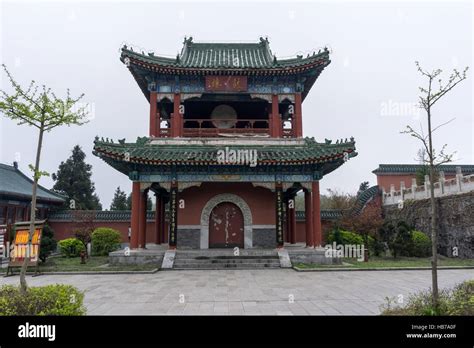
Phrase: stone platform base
x=154 y=254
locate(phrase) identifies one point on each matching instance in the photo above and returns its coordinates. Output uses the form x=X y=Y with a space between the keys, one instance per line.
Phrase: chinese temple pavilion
x=225 y=147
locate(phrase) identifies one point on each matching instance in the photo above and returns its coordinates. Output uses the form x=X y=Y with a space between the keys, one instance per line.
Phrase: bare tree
x=38 y=107
x=427 y=99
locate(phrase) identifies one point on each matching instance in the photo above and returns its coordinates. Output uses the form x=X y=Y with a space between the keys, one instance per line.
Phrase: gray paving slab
x=248 y=292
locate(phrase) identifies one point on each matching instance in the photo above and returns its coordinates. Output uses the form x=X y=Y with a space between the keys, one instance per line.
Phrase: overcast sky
x=368 y=91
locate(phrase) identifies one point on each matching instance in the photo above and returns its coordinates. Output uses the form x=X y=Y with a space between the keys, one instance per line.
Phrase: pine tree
x=119 y=201
x=73 y=180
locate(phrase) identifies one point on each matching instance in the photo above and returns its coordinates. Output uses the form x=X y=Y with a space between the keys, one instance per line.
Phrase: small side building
x=394 y=174
x=15 y=196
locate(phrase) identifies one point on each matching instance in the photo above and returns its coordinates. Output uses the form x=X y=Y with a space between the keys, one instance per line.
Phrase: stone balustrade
x=458 y=184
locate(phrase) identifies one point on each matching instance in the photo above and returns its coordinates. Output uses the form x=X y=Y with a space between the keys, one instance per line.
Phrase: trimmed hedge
x=71 y=247
x=105 y=240
x=56 y=299
x=345 y=237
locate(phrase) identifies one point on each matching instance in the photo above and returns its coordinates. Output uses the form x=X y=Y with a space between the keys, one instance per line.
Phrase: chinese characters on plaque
x=226 y=83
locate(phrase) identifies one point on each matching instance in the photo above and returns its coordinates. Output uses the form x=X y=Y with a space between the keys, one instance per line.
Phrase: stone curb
x=89 y=272
x=378 y=269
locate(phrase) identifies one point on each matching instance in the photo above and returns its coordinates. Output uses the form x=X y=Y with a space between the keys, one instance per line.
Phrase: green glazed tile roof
x=235 y=56
x=400 y=169
x=16 y=184
x=326 y=214
x=144 y=152
x=96 y=215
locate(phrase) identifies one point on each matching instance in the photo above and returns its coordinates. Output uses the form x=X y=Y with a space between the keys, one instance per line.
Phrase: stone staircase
x=225 y=259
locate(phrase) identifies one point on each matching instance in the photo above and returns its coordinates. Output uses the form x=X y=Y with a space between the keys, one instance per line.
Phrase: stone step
x=227 y=261
x=226 y=266
x=224 y=257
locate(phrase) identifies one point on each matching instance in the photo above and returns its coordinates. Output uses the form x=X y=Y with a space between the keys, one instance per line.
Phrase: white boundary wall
x=457 y=185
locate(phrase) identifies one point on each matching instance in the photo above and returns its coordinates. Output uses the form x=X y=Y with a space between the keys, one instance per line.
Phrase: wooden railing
x=287 y=133
x=205 y=127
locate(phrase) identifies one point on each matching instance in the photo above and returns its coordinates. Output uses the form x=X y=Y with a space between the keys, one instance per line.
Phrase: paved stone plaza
x=253 y=292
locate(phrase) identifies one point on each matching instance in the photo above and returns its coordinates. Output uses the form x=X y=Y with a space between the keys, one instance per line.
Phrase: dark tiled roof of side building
x=403 y=169
x=16 y=184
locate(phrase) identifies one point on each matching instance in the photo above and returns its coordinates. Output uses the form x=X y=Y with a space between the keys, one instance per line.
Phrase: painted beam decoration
x=226 y=83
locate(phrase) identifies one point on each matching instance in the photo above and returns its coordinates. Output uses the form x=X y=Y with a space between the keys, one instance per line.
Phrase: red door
x=226 y=226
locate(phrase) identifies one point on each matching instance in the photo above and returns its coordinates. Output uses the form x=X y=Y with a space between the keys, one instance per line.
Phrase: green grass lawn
x=384 y=262
x=93 y=264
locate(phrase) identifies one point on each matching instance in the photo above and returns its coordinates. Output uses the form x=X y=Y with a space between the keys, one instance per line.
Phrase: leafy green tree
x=39 y=107
x=429 y=96
x=402 y=244
x=73 y=180
x=119 y=202
x=337 y=200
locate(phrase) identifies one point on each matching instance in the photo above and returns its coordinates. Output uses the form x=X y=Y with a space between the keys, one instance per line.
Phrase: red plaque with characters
x=226 y=83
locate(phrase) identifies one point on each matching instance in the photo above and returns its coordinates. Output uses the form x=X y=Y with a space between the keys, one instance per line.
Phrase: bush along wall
x=71 y=247
x=105 y=240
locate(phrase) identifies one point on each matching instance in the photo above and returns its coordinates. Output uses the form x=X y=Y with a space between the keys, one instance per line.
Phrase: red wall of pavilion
x=301 y=231
x=65 y=229
x=261 y=201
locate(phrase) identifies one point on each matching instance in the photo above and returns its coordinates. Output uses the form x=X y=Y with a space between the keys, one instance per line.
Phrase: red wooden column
x=153 y=101
x=292 y=221
x=298 y=117
x=135 y=215
x=275 y=131
x=158 y=219
x=142 y=219
x=308 y=210
x=317 y=230
x=158 y=124
x=176 y=124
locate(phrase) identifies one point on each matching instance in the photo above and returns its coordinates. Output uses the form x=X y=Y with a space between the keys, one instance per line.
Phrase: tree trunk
x=23 y=284
x=434 y=221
